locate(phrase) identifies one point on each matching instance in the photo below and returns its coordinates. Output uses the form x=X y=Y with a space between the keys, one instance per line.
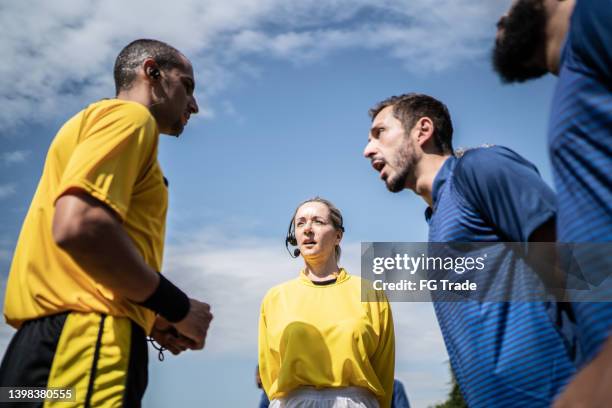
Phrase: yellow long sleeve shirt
x=324 y=336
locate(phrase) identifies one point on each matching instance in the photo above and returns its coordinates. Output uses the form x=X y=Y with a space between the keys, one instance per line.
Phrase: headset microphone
x=291 y=240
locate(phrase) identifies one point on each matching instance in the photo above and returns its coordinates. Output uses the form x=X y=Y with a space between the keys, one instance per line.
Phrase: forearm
x=591 y=385
x=543 y=259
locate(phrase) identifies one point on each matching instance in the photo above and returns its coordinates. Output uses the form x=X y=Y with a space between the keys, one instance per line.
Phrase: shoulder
x=273 y=294
x=489 y=164
x=589 y=17
x=588 y=48
x=490 y=158
x=127 y=112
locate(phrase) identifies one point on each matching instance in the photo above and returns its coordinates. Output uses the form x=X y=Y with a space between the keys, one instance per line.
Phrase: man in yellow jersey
x=84 y=287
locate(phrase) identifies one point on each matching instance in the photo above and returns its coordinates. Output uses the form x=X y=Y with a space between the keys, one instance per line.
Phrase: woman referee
x=320 y=344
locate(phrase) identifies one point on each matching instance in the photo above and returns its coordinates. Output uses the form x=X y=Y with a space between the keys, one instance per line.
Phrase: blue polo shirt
x=504 y=354
x=580 y=144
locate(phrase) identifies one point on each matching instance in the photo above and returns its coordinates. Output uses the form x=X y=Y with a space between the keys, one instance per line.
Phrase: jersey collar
x=443 y=174
x=342 y=277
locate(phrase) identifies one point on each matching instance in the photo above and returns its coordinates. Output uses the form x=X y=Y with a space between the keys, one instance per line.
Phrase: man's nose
x=369 y=150
x=193 y=105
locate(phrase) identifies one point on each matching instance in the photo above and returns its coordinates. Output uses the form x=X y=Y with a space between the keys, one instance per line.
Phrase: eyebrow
x=316 y=217
x=190 y=81
x=376 y=127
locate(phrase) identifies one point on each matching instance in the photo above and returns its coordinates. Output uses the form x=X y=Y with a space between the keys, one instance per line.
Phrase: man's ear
x=151 y=70
x=424 y=129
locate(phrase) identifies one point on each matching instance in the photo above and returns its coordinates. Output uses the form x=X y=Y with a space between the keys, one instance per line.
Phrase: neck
x=428 y=169
x=136 y=94
x=319 y=268
x=559 y=14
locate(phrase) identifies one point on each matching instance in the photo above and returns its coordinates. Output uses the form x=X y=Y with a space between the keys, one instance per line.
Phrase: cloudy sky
x=284 y=88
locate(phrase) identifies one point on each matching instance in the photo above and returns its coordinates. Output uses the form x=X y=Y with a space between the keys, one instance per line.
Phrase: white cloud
x=61 y=53
x=18 y=156
x=7 y=190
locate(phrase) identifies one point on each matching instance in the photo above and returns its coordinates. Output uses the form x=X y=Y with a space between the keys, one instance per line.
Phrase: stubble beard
x=177 y=128
x=405 y=164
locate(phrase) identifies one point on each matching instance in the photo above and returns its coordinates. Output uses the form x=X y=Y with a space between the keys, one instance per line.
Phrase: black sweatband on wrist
x=168 y=301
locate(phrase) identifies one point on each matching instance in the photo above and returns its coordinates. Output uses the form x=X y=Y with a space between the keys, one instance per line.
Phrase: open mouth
x=378 y=164
x=310 y=242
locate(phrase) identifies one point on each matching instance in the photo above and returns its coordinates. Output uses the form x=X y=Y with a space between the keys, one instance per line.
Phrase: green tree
x=455 y=398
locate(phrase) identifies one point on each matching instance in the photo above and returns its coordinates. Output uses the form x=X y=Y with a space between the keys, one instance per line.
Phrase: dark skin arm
x=93 y=235
x=546 y=232
x=591 y=387
x=544 y=259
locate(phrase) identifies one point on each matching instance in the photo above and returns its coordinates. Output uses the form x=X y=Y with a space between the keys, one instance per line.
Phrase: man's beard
x=405 y=164
x=515 y=56
x=177 y=128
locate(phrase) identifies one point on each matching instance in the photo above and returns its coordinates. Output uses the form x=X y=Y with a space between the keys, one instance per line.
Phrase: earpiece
x=291 y=240
x=154 y=73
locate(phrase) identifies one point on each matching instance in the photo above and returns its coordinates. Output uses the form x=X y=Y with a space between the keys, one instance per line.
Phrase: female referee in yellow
x=320 y=345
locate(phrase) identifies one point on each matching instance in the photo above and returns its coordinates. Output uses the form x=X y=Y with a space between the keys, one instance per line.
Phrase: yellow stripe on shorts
x=73 y=363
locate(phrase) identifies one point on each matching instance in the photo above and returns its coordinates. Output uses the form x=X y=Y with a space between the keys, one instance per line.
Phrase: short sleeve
x=116 y=146
x=590 y=39
x=506 y=189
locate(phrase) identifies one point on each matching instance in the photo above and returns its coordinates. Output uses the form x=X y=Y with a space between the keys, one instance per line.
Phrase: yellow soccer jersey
x=325 y=336
x=109 y=150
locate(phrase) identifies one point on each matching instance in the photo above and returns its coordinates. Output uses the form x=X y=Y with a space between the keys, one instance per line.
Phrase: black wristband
x=168 y=301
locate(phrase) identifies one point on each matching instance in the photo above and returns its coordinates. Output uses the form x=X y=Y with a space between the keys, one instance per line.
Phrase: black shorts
x=102 y=358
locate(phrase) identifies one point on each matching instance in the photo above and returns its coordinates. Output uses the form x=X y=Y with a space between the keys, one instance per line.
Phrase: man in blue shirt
x=502 y=353
x=573 y=39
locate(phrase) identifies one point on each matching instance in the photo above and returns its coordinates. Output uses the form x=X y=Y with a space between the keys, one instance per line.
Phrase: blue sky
x=284 y=89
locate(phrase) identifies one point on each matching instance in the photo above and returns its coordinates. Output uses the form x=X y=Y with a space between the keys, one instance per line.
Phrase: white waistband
x=330 y=393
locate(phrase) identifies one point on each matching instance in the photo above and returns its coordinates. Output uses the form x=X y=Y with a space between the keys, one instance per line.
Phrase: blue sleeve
x=264 y=402
x=590 y=39
x=506 y=190
x=400 y=400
